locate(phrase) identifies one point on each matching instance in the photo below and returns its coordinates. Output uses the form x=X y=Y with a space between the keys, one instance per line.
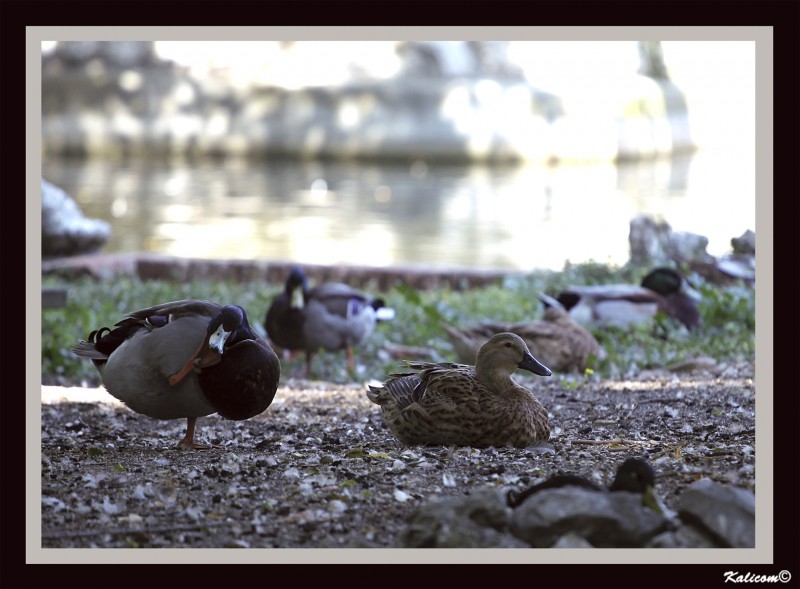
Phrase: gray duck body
x=622 y=305
x=138 y=371
x=185 y=359
x=330 y=316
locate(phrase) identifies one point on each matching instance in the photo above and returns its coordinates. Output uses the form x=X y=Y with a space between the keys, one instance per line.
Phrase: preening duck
x=185 y=359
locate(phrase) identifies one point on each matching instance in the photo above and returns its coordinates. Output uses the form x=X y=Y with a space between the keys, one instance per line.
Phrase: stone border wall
x=160 y=267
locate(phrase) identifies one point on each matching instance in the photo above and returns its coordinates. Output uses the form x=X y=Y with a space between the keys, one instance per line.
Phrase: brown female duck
x=187 y=359
x=330 y=316
x=457 y=404
x=556 y=340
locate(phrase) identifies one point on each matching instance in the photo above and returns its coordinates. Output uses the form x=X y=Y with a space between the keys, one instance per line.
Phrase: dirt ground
x=319 y=469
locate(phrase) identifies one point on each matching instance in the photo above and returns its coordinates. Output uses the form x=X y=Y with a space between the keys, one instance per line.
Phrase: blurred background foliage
x=727 y=335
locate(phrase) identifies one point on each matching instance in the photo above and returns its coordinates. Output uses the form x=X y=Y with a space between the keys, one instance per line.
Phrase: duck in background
x=634 y=475
x=727 y=270
x=330 y=316
x=556 y=340
x=185 y=359
x=457 y=404
x=663 y=289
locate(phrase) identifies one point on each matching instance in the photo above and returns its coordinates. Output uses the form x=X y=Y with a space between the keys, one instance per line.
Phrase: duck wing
x=104 y=341
x=603 y=292
x=435 y=406
x=337 y=316
x=177 y=309
x=436 y=383
x=340 y=300
x=446 y=384
x=398 y=391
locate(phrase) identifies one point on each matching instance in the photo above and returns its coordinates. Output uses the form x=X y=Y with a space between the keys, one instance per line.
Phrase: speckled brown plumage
x=462 y=405
x=556 y=340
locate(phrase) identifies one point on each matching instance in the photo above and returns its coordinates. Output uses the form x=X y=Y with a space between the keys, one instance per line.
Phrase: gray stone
x=78 y=52
x=683 y=537
x=653 y=243
x=603 y=519
x=122 y=54
x=745 y=243
x=65 y=230
x=684 y=247
x=479 y=520
x=727 y=513
x=648 y=241
x=127 y=54
x=571 y=540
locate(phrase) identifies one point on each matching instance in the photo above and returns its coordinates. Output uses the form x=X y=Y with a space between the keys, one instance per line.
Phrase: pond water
x=513 y=217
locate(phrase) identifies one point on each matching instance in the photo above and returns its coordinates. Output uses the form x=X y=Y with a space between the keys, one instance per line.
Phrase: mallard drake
x=330 y=316
x=462 y=405
x=556 y=340
x=634 y=475
x=663 y=289
x=187 y=359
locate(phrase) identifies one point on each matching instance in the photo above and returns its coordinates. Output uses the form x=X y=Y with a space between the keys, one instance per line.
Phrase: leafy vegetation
x=728 y=331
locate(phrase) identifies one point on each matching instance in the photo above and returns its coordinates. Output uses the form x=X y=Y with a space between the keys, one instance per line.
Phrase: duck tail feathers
x=549 y=301
x=375 y=394
x=384 y=314
x=86 y=349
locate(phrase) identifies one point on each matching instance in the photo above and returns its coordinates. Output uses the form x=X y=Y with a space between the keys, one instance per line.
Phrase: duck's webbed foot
x=188 y=443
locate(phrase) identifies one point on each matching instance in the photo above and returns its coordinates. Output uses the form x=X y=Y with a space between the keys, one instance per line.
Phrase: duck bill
x=216 y=346
x=211 y=357
x=297 y=298
x=651 y=500
x=531 y=364
x=216 y=341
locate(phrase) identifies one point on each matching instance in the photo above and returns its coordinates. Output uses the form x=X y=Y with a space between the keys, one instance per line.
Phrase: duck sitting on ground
x=457 y=404
x=663 y=289
x=330 y=316
x=634 y=475
x=556 y=340
x=727 y=270
x=186 y=358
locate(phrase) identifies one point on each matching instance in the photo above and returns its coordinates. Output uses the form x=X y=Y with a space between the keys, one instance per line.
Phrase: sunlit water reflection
x=418 y=214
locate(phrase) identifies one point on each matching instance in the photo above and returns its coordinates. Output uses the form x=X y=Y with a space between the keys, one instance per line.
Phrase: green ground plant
x=728 y=331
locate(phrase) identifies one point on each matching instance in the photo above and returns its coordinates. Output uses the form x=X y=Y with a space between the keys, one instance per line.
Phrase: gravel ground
x=319 y=469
